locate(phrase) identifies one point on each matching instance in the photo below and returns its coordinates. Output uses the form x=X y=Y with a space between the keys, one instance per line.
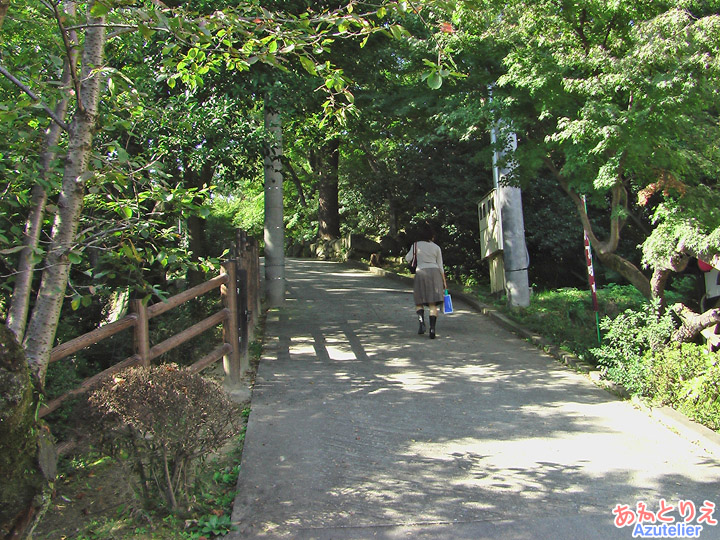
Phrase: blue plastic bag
x=447 y=305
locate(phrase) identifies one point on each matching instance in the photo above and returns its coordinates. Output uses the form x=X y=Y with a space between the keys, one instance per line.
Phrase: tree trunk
x=4 y=5
x=606 y=249
x=328 y=204
x=27 y=456
x=20 y=302
x=627 y=270
x=274 y=226
x=657 y=286
x=46 y=313
x=196 y=224
x=693 y=323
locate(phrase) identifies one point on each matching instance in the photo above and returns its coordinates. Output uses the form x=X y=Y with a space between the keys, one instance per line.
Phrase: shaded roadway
x=360 y=428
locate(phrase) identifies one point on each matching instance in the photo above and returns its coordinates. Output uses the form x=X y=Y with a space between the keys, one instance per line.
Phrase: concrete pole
x=515 y=254
x=274 y=226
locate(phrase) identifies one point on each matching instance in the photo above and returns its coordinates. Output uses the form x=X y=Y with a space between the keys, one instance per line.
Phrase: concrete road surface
x=360 y=428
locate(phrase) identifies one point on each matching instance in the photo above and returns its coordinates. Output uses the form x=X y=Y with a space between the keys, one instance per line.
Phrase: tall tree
x=22 y=291
x=46 y=313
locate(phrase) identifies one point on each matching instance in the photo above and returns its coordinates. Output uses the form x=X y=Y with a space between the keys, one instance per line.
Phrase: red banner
x=591 y=272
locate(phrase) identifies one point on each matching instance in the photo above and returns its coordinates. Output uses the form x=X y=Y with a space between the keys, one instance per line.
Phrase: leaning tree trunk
x=693 y=323
x=328 y=203
x=606 y=250
x=627 y=270
x=22 y=290
x=46 y=313
x=27 y=454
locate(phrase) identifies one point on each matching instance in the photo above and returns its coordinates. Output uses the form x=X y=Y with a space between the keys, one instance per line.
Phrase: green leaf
x=99 y=9
x=146 y=32
x=11 y=250
x=74 y=257
x=308 y=64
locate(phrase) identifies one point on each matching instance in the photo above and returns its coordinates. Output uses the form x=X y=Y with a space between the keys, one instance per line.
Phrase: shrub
x=167 y=419
x=701 y=398
x=673 y=371
x=626 y=339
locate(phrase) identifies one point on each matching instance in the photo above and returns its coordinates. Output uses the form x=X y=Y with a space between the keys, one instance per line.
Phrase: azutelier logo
x=663 y=523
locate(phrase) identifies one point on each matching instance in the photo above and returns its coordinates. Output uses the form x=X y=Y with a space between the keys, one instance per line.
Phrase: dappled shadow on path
x=361 y=422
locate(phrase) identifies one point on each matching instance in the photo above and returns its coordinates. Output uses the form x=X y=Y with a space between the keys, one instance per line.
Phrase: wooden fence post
x=254 y=305
x=232 y=362
x=141 y=333
x=241 y=243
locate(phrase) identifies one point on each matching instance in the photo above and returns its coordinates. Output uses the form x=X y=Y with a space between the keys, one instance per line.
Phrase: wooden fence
x=239 y=284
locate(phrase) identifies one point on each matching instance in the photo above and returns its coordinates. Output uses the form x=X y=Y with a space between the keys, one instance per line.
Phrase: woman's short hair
x=426 y=232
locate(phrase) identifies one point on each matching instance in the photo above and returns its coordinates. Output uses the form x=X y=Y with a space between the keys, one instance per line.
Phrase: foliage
x=610 y=99
x=565 y=316
x=673 y=372
x=687 y=378
x=167 y=419
x=214 y=525
x=688 y=223
x=702 y=401
x=626 y=338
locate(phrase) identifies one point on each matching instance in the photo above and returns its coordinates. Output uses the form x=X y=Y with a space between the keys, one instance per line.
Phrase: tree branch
x=33 y=96
x=601 y=247
x=693 y=323
x=71 y=58
x=296 y=181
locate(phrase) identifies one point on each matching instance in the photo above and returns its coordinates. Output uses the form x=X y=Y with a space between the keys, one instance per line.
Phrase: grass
x=566 y=316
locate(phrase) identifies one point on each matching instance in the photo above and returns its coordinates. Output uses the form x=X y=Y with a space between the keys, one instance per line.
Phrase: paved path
x=360 y=428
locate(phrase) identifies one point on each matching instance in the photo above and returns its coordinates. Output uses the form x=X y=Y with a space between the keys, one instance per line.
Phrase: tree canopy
x=390 y=105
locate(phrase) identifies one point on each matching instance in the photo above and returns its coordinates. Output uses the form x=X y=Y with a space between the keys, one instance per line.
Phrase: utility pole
x=274 y=233
x=509 y=200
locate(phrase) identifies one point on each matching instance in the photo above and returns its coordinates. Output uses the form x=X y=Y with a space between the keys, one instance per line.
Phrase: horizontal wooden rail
x=161 y=307
x=87 y=384
x=189 y=333
x=91 y=338
x=210 y=358
x=240 y=274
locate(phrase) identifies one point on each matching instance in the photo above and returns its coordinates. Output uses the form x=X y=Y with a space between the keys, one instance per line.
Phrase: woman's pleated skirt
x=428 y=286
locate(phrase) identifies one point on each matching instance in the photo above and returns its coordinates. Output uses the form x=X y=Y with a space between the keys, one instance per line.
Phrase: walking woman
x=429 y=283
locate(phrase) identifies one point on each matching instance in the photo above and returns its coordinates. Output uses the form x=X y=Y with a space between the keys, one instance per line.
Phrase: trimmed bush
x=166 y=419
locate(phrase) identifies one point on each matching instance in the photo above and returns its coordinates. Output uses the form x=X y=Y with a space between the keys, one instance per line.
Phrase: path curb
x=698 y=434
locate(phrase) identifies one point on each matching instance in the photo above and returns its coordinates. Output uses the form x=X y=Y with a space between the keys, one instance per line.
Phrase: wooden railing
x=239 y=285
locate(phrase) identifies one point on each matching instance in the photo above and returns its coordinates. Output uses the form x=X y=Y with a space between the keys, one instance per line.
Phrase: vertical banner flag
x=591 y=276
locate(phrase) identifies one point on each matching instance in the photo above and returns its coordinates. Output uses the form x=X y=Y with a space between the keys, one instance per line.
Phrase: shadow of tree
x=358 y=422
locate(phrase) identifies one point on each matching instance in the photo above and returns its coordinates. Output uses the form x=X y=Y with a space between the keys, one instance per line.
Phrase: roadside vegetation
x=631 y=344
x=136 y=137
